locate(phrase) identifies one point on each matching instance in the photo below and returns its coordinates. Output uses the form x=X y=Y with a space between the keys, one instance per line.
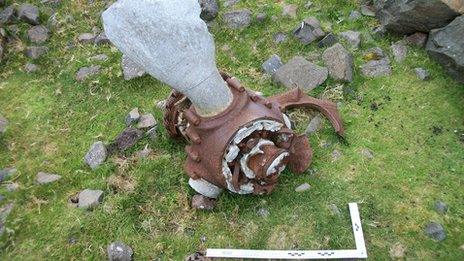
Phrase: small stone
x=299 y=73
x=328 y=41
x=132 y=117
x=29 y=14
x=418 y=39
x=308 y=5
x=379 y=31
x=263 y=212
x=441 y=207
x=309 y=31
x=366 y=153
x=99 y=57
x=272 y=64
x=280 y=37
x=130 y=69
x=86 y=72
x=90 y=199
x=7 y=15
x=303 y=187
x=261 y=17
x=354 y=15
x=209 y=9
x=314 y=125
x=353 y=38
x=435 y=231
x=86 y=38
x=3 y=124
x=44 y=178
x=289 y=10
x=376 y=68
x=339 y=62
x=5 y=174
x=237 y=19
x=399 y=51
x=422 y=74
x=152 y=133
x=334 y=210
x=101 y=39
x=145 y=152
x=203 y=239
x=146 y=121
x=128 y=138
x=4 y=213
x=201 y=202
x=12 y=187
x=118 y=251
x=367 y=10
x=336 y=155
x=397 y=251
x=38 y=34
x=35 y=52
x=96 y=155
x=31 y=68
x=229 y=3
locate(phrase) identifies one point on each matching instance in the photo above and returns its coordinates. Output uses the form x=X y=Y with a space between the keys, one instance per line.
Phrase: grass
x=54 y=120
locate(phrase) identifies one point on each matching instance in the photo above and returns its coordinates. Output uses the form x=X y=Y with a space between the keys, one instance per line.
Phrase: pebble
x=3 y=124
x=86 y=72
x=336 y=155
x=309 y=31
x=128 y=138
x=289 y=10
x=314 y=125
x=261 y=17
x=38 y=34
x=399 y=51
x=352 y=37
x=279 y=37
x=130 y=69
x=35 y=52
x=201 y=202
x=303 y=187
x=146 y=121
x=209 y=9
x=11 y=187
x=5 y=174
x=441 y=207
x=354 y=15
x=152 y=133
x=100 y=57
x=90 y=199
x=145 y=152
x=334 y=210
x=339 y=62
x=132 y=117
x=86 y=38
x=422 y=74
x=237 y=19
x=366 y=153
x=328 y=41
x=96 y=155
x=45 y=178
x=29 y=14
x=271 y=65
x=118 y=251
x=435 y=231
x=31 y=68
x=263 y=212
x=102 y=39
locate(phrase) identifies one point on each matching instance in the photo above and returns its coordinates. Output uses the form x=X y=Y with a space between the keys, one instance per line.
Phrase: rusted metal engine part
x=246 y=147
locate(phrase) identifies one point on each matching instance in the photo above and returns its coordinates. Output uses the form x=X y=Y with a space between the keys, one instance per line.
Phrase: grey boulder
x=7 y=15
x=238 y=19
x=118 y=251
x=45 y=178
x=339 y=62
x=130 y=69
x=128 y=138
x=29 y=14
x=299 y=73
x=407 y=17
x=96 y=155
x=418 y=39
x=132 y=117
x=209 y=9
x=271 y=65
x=309 y=31
x=353 y=38
x=89 y=199
x=446 y=46
x=147 y=121
x=38 y=34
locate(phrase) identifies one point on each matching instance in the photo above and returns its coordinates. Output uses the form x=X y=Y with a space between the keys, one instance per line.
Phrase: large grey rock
x=352 y=37
x=407 y=17
x=3 y=124
x=309 y=31
x=435 y=231
x=130 y=69
x=96 y=155
x=85 y=72
x=446 y=46
x=38 y=34
x=7 y=15
x=178 y=51
x=29 y=14
x=271 y=65
x=299 y=73
x=44 y=178
x=209 y=9
x=35 y=52
x=339 y=62
x=89 y=199
x=237 y=19
x=118 y=251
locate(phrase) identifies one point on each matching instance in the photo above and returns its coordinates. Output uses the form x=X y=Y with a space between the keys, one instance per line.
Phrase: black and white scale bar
x=358 y=253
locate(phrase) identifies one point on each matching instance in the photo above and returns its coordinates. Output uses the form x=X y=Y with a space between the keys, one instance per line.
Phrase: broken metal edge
x=360 y=252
